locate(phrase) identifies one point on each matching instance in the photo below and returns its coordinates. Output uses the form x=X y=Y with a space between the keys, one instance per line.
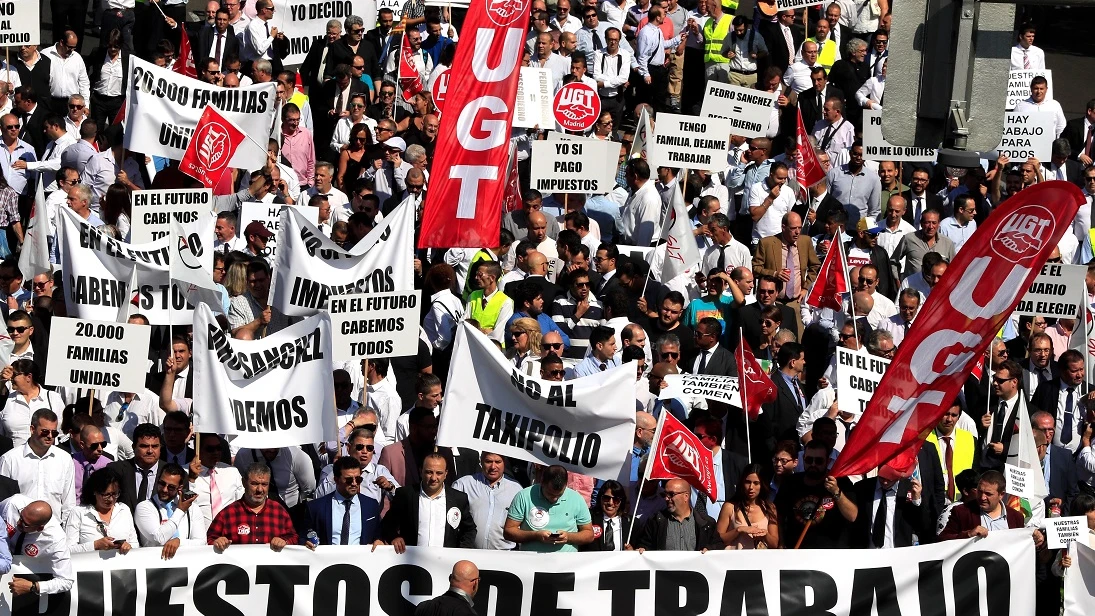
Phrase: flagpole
x=744 y=398
x=851 y=292
x=646 y=474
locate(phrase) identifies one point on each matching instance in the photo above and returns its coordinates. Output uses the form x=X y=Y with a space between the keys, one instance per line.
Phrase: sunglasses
x=48 y=433
x=553 y=345
x=670 y=355
x=361 y=446
x=75 y=107
x=11 y=127
x=98 y=445
x=813 y=460
x=999 y=380
x=17 y=329
x=555 y=372
x=355 y=479
x=609 y=497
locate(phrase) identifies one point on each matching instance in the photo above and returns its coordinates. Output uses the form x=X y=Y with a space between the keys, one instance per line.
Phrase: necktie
x=53 y=146
x=610 y=540
x=1066 y=427
x=1026 y=60
x=19 y=544
x=821 y=100
x=798 y=390
x=597 y=45
x=220 y=38
x=1087 y=142
x=322 y=64
x=703 y=362
x=338 y=104
x=87 y=471
x=721 y=264
x=907 y=326
x=146 y=477
x=214 y=492
x=169 y=510
x=791 y=290
x=344 y=538
x=520 y=359
x=948 y=457
x=266 y=25
x=275 y=493
x=1041 y=377
x=878 y=530
x=789 y=40
x=998 y=423
x=604 y=366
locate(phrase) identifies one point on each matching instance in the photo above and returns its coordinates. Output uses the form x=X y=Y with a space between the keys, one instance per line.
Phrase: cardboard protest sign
x=270 y=215
x=370 y=325
x=305 y=21
x=708 y=386
x=97 y=354
x=1019 y=85
x=1019 y=481
x=535 y=98
x=1027 y=135
x=875 y=147
x=858 y=374
x=153 y=211
x=1055 y=292
x=1061 y=532
x=748 y=110
x=20 y=22
x=573 y=166
x=682 y=141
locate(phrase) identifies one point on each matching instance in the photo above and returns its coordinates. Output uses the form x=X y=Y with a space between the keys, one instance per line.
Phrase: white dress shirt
x=1077 y=417
x=258 y=42
x=110 y=78
x=431 y=519
x=16 y=178
x=797 y=77
x=50 y=477
x=384 y=399
x=51 y=161
x=84 y=527
x=143 y=408
x=737 y=255
x=770 y=223
x=50 y=546
x=558 y=65
x=570 y=24
x=891 y=506
x=1048 y=105
x=15 y=418
x=615 y=14
x=1033 y=56
x=67 y=76
x=157 y=528
x=612 y=71
x=641 y=215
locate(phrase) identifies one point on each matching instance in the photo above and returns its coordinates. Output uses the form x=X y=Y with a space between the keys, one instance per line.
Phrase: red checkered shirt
x=241 y=525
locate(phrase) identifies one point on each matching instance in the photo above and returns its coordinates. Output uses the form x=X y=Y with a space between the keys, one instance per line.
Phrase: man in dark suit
x=711 y=357
x=25 y=104
x=783 y=37
x=1018 y=346
x=139 y=473
x=1061 y=165
x=343 y=51
x=780 y=418
x=999 y=425
x=767 y=289
x=891 y=513
x=934 y=492
x=823 y=204
x=220 y=36
x=176 y=433
x=1038 y=367
x=1079 y=132
x=1062 y=472
x=381 y=37
x=401 y=458
x=448 y=523
x=1063 y=398
x=865 y=238
x=919 y=199
x=605 y=261
x=463 y=585
x=809 y=101
x=315 y=63
x=323 y=512
x=331 y=102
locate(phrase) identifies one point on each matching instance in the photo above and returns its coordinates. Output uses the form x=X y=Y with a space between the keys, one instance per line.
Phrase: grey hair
x=671 y=339
x=334 y=23
x=262 y=65
x=83 y=192
x=853 y=45
x=874 y=341
x=414 y=153
x=353 y=20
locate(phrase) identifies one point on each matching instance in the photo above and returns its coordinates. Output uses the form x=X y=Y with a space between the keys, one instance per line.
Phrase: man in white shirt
x=725 y=253
x=259 y=41
x=225 y=238
x=641 y=213
x=383 y=397
x=1039 y=103
x=340 y=204
x=961 y=226
x=894 y=225
x=378 y=480
x=611 y=70
x=169 y=518
x=51 y=160
x=44 y=472
x=797 y=76
x=833 y=132
x=1025 y=55
x=236 y=17
x=14 y=149
x=544 y=58
x=41 y=544
x=769 y=201
x=908 y=305
x=563 y=20
x=67 y=73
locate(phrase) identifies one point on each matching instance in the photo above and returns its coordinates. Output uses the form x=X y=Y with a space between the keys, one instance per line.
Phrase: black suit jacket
x=402 y=519
x=1074 y=132
x=1063 y=480
x=126 y=469
x=1074 y=171
x=448 y=604
x=932 y=201
x=205 y=41
x=8 y=487
x=908 y=519
x=324 y=102
x=988 y=459
x=749 y=318
x=376 y=40
x=777 y=45
x=779 y=420
x=934 y=492
x=607 y=286
x=33 y=131
x=653 y=532
x=807 y=102
x=340 y=53
x=597 y=517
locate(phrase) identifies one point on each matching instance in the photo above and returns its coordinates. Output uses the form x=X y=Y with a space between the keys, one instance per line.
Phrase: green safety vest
x=486 y=317
x=826 y=54
x=482 y=255
x=713 y=35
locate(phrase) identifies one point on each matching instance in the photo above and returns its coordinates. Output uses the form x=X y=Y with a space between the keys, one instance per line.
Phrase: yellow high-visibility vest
x=713 y=35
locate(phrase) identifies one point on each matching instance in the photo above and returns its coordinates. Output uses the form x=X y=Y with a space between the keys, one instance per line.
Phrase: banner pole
x=744 y=398
x=848 y=279
x=90 y=401
x=646 y=474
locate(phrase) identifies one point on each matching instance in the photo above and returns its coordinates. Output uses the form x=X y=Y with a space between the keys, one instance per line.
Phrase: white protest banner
x=272 y=392
x=682 y=141
x=1053 y=293
x=1079 y=600
x=579 y=424
x=153 y=211
x=749 y=111
x=875 y=147
x=109 y=355
x=314 y=268
x=163 y=108
x=611 y=163
x=709 y=386
x=269 y=214
x=1019 y=85
x=951 y=577
x=395 y=6
x=1060 y=532
x=786 y=5
x=375 y=324
x=305 y=21
x=573 y=166
x=1018 y=481
x=20 y=22
x=191 y=251
x=1027 y=135
x=857 y=377
x=535 y=97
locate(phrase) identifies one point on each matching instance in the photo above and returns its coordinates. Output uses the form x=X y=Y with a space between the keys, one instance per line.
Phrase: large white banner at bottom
x=1080 y=580
x=953 y=577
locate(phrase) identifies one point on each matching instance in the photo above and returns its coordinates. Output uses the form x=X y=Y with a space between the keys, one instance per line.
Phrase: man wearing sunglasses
x=166 y=519
x=38 y=538
x=378 y=481
x=345 y=516
x=217 y=484
x=91 y=456
x=43 y=471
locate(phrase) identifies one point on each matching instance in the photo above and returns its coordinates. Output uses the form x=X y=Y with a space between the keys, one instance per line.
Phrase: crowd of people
x=568 y=291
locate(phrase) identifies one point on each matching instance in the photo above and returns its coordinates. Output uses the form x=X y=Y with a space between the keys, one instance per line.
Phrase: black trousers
x=655 y=92
x=68 y=15
x=105 y=108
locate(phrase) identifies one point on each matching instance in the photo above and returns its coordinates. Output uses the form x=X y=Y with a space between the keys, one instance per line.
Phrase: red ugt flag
x=756 y=388
x=832 y=281
x=212 y=145
x=808 y=169
x=410 y=80
x=678 y=453
x=463 y=206
x=966 y=308
x=184 y=64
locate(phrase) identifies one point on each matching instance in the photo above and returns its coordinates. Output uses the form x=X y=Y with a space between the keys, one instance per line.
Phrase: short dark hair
x=600 y=335
x=555 y=477
x=147 y=430
x=173 y=469
x=345 y=463
x=97 y=483
x=994 y=478
x=787 y=351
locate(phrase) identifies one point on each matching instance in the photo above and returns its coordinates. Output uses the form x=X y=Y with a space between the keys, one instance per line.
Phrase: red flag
x=410 y=80
x=679 y=454
x=755 y=386
x=462 y=207
x=512 y=198
x=211 y=147
x=184 y=64
x=978 y=368
x=808 y=169
x=832 y=280
x=966 y=308
x=120 y=117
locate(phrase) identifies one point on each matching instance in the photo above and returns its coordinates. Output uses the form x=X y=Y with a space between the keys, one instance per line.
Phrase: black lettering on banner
x=545 y=593
x=389 y=591
x=311 y=294
x=792 y=593
x=506 y=588
x=158 y=586
x=206 y=598
x=90 y=599
x=325 y=590
x=873 y=585
x=123 y=591
x=744 y=589
x=282 y=580
x=667 y=592
x=623 y=586
x=258 y=416
x=967 y=588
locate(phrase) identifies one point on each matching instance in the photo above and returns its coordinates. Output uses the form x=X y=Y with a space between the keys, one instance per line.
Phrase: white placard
x=154 y=209
x=786 y=5
x=1019 y=85
x=1026 y=135
x=708 y=386
x=397 y=11
x=1060 y=532
x=97 y=354
x=1019 y=481
x=1055 y=292
x=612 y=162
x=749 y=111
x=875 y=147
x=269 y=215
x=20 y=22
x=375 y=324
x=690 y=142
x=535 y=97
x=562 y=166
x=305 y=21
x=858 y=375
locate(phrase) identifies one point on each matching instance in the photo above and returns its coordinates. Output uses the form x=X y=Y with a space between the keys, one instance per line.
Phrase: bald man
x=458 y=601
x=679 y=527
x=43 y=545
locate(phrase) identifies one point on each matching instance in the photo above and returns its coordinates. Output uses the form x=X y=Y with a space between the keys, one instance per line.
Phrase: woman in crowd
x=115 y=210
x=235 y=279
x=748 y=520
x=770 y=321
x=525 y=334
x=100 y=522
x=603 y=128
x=350 y=158
x=611 y=517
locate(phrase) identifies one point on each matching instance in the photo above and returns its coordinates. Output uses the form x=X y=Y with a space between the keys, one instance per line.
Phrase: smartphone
x=556 y=535
x=118 y=542
x=187 y=494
